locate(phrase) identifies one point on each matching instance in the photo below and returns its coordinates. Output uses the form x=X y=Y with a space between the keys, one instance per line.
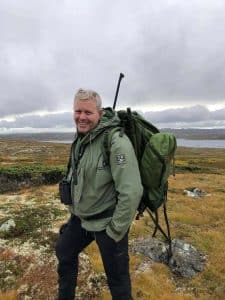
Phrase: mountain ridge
x=189 y=133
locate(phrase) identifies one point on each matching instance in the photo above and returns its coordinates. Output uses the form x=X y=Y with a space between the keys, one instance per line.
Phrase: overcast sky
x=171 y=52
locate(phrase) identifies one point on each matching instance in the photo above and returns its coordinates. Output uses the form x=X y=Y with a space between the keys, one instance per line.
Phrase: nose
x=82 y=116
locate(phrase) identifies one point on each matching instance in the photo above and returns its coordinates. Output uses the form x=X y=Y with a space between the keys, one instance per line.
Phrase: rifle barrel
x=117 y=90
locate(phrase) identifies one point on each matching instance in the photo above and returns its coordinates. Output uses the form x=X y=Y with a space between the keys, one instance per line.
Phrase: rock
x=185 y=261
x=152 y=248
x=6 y=226
x=195 y=192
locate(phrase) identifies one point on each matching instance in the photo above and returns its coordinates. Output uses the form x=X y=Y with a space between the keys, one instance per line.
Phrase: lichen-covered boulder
x=185 y=261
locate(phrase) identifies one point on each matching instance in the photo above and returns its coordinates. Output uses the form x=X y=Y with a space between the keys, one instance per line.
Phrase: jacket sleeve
x=127 y=181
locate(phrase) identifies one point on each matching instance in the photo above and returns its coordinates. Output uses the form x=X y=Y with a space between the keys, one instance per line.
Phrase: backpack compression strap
x=158 y=227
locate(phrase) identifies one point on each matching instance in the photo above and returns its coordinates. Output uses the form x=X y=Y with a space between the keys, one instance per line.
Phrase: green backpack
x=155 y=153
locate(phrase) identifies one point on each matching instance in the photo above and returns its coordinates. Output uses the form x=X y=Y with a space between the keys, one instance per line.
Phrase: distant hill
x=198 y=134
x=41 y=136
x=190 y=133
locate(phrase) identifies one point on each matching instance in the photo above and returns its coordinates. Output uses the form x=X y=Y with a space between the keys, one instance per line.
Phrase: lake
x=201 y=143
x=180 y=142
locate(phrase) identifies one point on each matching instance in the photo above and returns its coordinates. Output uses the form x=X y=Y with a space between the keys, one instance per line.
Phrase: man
x=104 y=195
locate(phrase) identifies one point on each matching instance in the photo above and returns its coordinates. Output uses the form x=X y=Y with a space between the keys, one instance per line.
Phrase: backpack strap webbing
x=167 y=225
x=70 y=159
x=106 y=148
x=155 y=220
x=108 y=133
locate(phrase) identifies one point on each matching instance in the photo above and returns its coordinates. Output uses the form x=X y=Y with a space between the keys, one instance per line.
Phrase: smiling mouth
x=83 y=124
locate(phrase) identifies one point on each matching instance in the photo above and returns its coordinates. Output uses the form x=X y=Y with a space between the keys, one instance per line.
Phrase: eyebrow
x=86 y=111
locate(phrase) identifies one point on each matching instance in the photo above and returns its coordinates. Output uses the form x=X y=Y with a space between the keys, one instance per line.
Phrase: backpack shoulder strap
x=69 y=163
x=107 y=139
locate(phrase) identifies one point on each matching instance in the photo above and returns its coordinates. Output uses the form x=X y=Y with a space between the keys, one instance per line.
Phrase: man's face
x=86 y=115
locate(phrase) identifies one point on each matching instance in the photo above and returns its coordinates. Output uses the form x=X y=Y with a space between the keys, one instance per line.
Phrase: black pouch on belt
x=65 y=191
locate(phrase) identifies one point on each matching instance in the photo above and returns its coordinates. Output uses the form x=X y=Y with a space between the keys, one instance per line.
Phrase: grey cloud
x=183 y=59
x=218 y=114
x=195 y=116
x=170 y=51
x=190 y=114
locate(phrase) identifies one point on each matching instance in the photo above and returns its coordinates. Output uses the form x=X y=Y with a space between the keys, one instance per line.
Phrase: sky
x=170 y=51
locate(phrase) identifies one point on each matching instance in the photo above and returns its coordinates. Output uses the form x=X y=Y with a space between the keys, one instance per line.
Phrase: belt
x=104 y=214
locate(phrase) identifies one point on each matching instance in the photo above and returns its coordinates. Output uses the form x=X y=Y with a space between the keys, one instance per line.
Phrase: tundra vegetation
x=29 y=201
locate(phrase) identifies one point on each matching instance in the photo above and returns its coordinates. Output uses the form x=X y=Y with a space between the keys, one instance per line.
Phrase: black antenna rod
x=117 y=89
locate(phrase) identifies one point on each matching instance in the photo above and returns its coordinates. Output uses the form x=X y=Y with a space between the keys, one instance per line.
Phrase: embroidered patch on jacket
x=120 y=159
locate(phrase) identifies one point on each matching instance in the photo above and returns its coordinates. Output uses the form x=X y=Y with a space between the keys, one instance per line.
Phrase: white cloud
x=196 y=116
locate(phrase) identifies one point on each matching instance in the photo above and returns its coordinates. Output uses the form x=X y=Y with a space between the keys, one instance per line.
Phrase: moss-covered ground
x=27 y=261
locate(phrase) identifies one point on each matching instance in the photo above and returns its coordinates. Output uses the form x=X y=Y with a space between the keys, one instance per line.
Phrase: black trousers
x=72 y=240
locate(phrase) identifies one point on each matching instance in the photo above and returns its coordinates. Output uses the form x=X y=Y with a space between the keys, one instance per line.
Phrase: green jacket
x=98 y=187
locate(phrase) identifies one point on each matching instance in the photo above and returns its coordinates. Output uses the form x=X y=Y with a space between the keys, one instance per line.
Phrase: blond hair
x=82 y=95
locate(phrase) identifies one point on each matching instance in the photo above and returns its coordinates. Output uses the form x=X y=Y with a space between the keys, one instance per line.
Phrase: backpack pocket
x=155 y=167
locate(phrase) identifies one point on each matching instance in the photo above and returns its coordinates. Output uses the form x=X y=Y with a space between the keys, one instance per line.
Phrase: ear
x=100 y=112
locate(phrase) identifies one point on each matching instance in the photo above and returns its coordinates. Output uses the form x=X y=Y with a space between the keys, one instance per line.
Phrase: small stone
x=6 y=226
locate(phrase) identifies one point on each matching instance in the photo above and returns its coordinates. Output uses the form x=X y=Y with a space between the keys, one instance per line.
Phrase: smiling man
x=105 y=194
x=87 y=110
